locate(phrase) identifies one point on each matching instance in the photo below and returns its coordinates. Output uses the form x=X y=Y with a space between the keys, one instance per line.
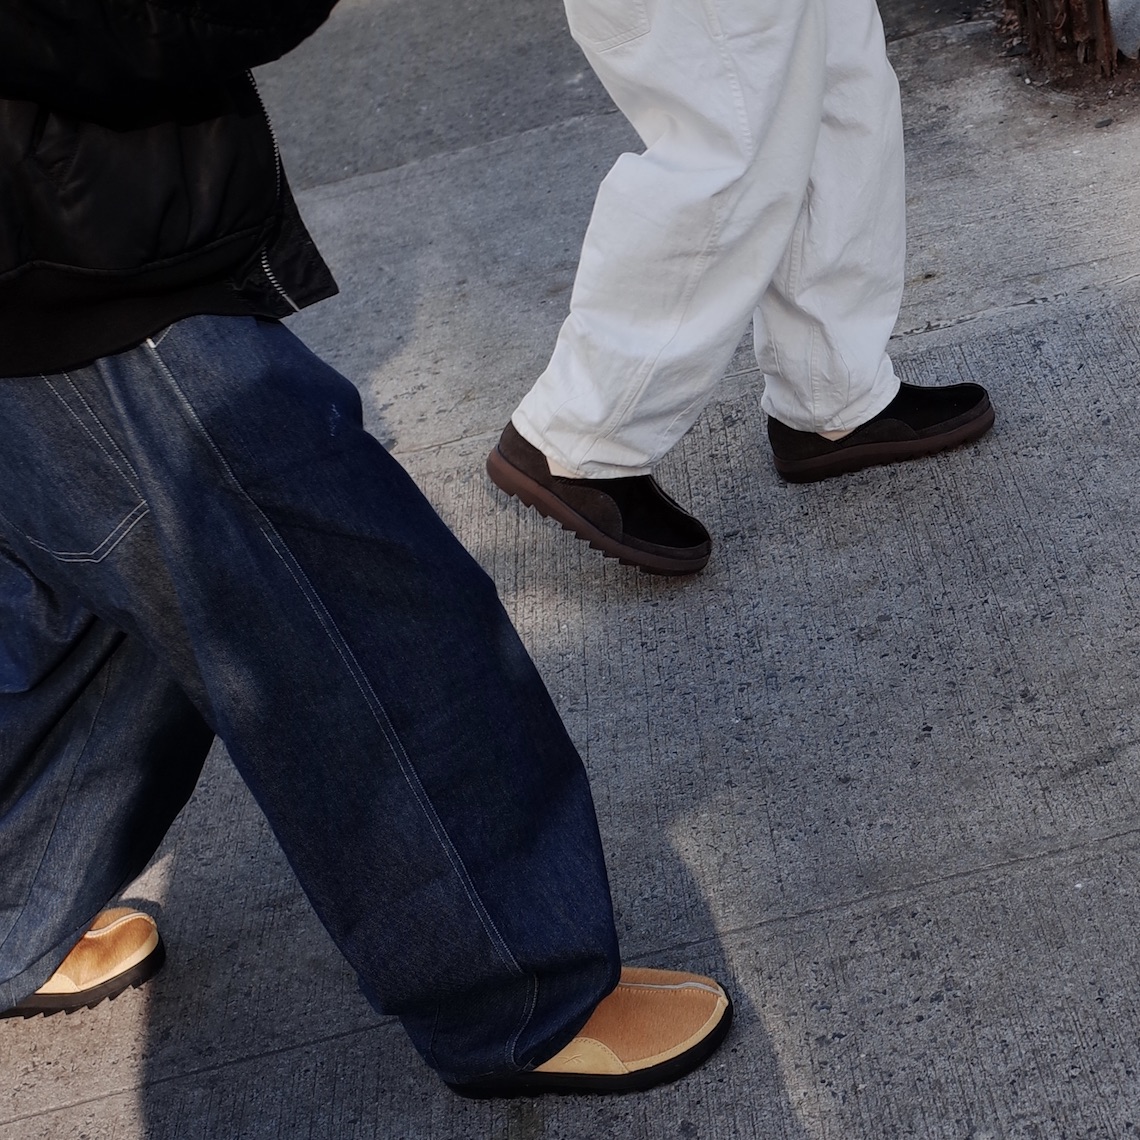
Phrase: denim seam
x=531 y=1003
x=356 y=672
x=429 y=1054
x=122 y=529
x=380 y=715
x=126 y=524
x=106 y=435
x=55 y=823
x=131 y=482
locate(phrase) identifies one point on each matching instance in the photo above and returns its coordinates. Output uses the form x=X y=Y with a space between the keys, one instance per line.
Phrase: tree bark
x=1076 y=30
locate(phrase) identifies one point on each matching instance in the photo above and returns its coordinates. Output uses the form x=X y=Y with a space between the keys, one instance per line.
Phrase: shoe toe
x=655 y=1026
x=117 y=941
x=652 y=1017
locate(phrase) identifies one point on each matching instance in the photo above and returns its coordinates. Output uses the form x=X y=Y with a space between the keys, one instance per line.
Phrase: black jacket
x=139 y=177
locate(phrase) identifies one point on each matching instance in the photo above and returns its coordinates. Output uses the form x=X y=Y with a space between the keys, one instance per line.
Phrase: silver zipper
x=278 y=168
x=273 y=280
x=272 y=133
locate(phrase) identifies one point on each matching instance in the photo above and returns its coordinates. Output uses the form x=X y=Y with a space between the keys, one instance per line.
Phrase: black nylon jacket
x=139 y=178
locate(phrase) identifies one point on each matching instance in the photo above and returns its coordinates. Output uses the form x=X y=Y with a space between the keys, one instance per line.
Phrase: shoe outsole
x=576 y=1084
x=45 y=1005
x=847 y=460
x=508 y=478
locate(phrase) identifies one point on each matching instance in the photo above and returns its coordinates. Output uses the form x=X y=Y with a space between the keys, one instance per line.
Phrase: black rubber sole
x=507 y=477
x=585 y=1084
x=844 y=460
x=44 y=1005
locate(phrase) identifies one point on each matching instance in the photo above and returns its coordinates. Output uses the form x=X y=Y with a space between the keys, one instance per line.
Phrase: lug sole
x=508 y=478
x=847 y=460
x=45 y=1005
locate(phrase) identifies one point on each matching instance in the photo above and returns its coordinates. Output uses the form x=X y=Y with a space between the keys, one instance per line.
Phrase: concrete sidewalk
x=877 y=767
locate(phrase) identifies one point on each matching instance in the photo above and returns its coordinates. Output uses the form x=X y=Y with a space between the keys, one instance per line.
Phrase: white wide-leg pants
x=771 y=188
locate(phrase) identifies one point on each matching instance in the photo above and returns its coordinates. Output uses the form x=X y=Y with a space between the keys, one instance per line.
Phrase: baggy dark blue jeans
x=198 y=537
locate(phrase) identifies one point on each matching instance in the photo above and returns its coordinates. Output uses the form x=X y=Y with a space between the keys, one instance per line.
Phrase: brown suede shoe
x=121 y=949
x=630 y=519
x=656 y=1026
x=918 y=421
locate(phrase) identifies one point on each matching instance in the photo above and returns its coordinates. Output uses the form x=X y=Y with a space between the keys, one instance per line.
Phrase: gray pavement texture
x=878 y=767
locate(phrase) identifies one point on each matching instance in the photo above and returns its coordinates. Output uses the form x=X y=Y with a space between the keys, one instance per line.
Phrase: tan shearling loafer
x=655 y=1027
x=121 y=949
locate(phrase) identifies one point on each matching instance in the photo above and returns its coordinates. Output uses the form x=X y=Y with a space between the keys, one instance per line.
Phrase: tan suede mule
x=655 y=1027
x=121 y=949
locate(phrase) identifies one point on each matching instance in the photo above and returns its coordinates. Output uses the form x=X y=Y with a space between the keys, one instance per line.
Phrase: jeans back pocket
x=65 y=486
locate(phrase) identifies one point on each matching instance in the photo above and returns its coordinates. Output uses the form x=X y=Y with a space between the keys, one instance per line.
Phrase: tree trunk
x=1076 y=30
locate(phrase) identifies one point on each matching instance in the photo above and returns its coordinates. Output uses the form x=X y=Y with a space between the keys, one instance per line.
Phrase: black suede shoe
x=629 y=519
x=918 y=421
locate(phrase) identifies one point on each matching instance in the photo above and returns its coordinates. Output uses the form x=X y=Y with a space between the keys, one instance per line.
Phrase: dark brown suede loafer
x=655 y=1027
x=629 y=519
x=121 y=949
x=918 y=421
